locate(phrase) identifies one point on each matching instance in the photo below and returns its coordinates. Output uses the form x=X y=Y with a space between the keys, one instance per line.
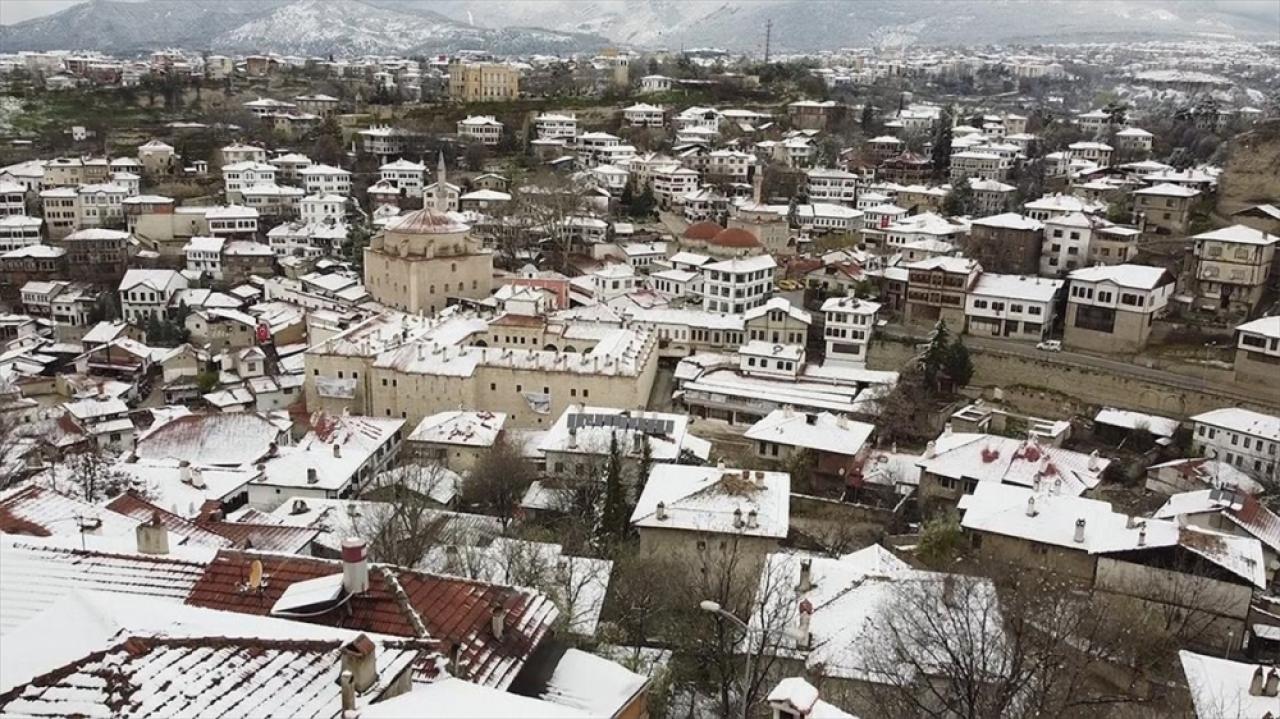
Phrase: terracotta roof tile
x=140 y=509
x=454 y=611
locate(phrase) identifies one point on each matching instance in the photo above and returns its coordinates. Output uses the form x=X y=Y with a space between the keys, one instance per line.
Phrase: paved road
x=1129 y=368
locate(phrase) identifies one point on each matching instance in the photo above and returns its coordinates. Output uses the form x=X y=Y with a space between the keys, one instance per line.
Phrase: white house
x=828 y=185
x=655 y=83
x=335 y=460
x=325 y=180
x=1110 y=308
x=232 y=220
x=239 y=152
x=147 y=293
x=1067 y=242
x=404 y=175
x=847 y=329
x=18 y=231
x=736 y=285
x=730 y=165
x=1246 y=439
x=1011 y=306
x=239 y=175
x=484 y=129
x=555 y=125
x=643 y=115
x=204 y=255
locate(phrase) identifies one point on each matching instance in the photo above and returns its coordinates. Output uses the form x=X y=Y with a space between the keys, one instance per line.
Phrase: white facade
x=670 y=185
x=484 y=129
x=326 y=180
x=18 y=231
x=730 y=164
x=1011 y=306
x=848 y=325
x=826 y=185
x=146 y=293
x=204 y=254
x=556 y=125
x=644 y=115
x=239 y=175
x=737 y=285
x=1248 y=440
x=1066 y=244
x=404 y=175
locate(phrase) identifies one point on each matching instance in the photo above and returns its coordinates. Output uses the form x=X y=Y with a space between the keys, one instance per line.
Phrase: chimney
x=355 y=566
x=452 y=559
x=337 y=451
x=752 y=519
x=573 y=438
x=929 y=451
x=1142 y=535
x=359 y=658
x=1255 y=685
x=299 y=507
x=806 y=575
x=1272 y=688
x=806 y=612
x=347 y=683
x=1093 y=461
x=737 y=517
x=661 y=511
x=153 y=537
x=720 y=465
x=312 y=475
x=499 y=622
x=842 y=422
x=637 y=442
x=1031 y=507
x=1079 y=536
x=184 y=472
x=197 y=478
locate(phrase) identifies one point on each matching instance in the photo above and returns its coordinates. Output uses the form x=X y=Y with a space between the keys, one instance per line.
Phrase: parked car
x=1050 y=345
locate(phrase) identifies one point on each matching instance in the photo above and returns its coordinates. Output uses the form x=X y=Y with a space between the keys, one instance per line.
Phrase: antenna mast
x=768 y=37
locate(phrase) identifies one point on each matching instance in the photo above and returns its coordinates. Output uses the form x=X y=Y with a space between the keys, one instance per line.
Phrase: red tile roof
x=454 y=611
x=265 y=537
x=703 y=231
x=140 y=509
x=734 y=237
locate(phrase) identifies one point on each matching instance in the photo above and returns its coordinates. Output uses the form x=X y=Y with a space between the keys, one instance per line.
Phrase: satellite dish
x=255 y=574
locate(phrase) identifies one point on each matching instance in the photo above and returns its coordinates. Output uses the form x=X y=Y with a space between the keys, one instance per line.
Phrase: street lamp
x=708 y=605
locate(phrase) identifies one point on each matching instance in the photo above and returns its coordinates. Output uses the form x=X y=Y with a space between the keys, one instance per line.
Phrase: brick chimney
x=355 y=566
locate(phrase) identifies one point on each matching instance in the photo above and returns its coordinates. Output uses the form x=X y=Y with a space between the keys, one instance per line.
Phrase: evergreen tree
x=934 y=358
x=868 y=118
x=959 y=366
x=614 y=517
x=960 y=200
x=644 y=204
x=941 y=156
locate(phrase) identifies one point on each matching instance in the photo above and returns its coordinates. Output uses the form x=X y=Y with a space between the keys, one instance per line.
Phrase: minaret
x=442 y=198
x=757 y=187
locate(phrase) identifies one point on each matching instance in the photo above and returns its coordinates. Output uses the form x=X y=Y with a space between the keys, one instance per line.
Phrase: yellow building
x=483 y=82
x=421 y=260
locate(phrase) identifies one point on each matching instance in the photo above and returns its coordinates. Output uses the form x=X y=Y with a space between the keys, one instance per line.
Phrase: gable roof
x=204 y=676
x=713 y=499
x=37 y=573
x=453 y=611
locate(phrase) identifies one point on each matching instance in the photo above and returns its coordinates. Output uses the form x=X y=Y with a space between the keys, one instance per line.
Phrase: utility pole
x=768 y=37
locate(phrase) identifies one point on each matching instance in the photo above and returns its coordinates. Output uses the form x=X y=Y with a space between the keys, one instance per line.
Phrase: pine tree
x=941 y=156
x=614 y=517
x=934 y=358
x=959 y=366
x=868 y=118
x=960 y=200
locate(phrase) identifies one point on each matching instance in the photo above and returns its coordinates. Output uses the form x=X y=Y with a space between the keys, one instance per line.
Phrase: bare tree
x=91 y=475
x=540 y=213
x=498 y=481
x=402 y=529
x=956 y=646
x=712 y=650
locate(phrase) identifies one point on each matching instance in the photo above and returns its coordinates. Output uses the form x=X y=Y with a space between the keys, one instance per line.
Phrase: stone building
x=424 y=259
